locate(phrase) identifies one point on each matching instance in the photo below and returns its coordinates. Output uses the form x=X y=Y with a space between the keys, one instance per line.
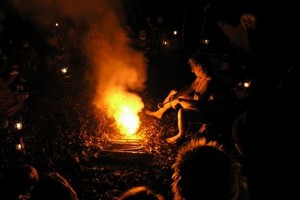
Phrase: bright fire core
x=124 y=107
x=127 y=120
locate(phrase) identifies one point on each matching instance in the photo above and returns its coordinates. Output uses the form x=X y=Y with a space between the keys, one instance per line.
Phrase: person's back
x=203 y=170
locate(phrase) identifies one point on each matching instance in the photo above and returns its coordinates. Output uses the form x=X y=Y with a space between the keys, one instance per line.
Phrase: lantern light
x=18 y=125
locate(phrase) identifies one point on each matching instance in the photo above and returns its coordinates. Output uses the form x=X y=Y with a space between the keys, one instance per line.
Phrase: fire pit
x=126 y=149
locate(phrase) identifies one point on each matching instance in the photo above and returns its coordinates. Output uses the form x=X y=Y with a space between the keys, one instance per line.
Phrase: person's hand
x=175 y=102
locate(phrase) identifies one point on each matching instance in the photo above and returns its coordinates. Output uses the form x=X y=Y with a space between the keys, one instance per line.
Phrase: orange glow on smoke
x=113 y=67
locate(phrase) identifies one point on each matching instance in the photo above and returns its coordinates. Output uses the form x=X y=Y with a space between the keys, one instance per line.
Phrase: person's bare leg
x=159 y=113
x=166 y=105
x=182 y=126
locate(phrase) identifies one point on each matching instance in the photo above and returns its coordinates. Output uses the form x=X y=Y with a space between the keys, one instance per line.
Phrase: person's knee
x=173 y=92
x=182 y=113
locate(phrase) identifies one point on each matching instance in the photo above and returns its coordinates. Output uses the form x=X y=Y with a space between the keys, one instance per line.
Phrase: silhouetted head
x=204 y=171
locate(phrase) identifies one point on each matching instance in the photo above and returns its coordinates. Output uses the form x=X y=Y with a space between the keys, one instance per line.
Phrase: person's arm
x=186 y=90
x=205 y=93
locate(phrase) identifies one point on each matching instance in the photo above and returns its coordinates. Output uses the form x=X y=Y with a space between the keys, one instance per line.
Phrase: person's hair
x=203 y=170
x=140 y=193
x=202 y=59
x=53 y=186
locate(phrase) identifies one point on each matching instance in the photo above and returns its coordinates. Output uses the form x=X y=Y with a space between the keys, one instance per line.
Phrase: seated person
x=196 y=101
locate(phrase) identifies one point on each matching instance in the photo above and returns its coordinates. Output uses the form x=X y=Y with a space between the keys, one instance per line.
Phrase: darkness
x=64 y=132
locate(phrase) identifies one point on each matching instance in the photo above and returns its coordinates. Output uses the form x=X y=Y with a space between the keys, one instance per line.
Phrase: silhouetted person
x=203 y=170
x=197 y=102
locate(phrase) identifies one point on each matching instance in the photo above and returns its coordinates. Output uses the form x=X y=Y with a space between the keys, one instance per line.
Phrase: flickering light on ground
x=247 y=84
x=19 y=146
x=165 y=42
x=205 y=41
x=64 y=70
x=18 y=125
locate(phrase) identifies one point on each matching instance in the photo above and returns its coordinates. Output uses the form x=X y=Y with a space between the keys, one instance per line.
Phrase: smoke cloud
x=114 y=67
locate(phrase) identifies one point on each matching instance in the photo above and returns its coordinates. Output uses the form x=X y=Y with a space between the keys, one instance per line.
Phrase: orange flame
x=124 y=107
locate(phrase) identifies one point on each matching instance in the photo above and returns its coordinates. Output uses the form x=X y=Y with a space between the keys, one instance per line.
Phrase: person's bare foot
x=156 y=114
x=173 y=140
